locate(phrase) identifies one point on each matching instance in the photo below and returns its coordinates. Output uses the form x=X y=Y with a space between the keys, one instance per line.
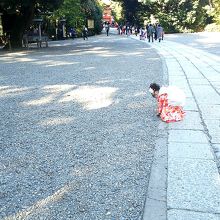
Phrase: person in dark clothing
x=107 y=27
x=72 y=32
x=85 y=32
x=150 y=33
x=155 y=32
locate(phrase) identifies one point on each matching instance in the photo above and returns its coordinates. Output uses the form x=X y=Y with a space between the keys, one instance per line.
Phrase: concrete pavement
x=193 y=181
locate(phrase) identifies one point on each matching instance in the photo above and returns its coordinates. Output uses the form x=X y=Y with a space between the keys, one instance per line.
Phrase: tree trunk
x=14 y=25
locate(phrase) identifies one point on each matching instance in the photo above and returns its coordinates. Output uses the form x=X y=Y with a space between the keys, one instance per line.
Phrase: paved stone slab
x=205 y=94
x=178 y=78
x=201 y=81
x=216 y=84
x=216 y=148
x=191 y=121
x=189 y=150
x=214 y=129
x=210 y=112
x=186 y=90
x=182 y=85
x=178 y=82
x=175 y=71
x=197 y=61
x=155 y=210
x=190 y=105
x=173 y=65
x=217 y=88
x=206 y=42
x=210 y=74
x=187 y=136
x=192 y=72
x=193 y=185
x=175 y=214
x=215 y=139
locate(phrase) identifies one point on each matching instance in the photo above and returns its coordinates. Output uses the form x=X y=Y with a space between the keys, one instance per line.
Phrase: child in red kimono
x=170 y=102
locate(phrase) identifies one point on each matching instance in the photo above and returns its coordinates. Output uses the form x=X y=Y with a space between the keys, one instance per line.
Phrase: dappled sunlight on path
x=78 y=129
x=91 y=97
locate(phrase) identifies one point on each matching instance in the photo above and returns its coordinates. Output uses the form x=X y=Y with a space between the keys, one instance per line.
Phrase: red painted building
x=107 y=14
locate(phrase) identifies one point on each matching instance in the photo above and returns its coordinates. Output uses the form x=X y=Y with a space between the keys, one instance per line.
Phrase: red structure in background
x=107 y=14
x=107 y=18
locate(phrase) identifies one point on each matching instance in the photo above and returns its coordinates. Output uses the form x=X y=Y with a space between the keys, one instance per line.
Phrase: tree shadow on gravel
x=78 y=139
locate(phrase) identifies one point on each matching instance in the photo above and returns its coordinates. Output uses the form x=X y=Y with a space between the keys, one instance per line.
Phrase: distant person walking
x=119 y=29
x=155 y=31
x=85 y=32
x=150 y=33
x=107 y=27
x=142 y=34
x=136 y=31
x=159 y=32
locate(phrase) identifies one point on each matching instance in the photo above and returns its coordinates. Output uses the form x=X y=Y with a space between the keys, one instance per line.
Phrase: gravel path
x=77 y=129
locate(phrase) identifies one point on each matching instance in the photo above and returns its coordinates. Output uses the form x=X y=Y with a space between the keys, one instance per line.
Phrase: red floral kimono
x=169 y=113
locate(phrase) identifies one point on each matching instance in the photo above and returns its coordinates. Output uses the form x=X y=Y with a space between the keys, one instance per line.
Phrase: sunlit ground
x=70 y=115
x=89 y=97
x=210 y=41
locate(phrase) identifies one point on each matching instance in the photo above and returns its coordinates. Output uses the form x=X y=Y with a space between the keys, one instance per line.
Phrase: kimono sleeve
x=162 y=102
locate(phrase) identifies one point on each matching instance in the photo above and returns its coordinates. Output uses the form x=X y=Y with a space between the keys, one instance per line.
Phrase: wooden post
x=9 y=42
x=40 y=37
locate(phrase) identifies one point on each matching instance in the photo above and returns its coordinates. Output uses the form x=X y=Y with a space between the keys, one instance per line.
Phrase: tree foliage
x=18 y=14
x=174 y=15
x=215 y=11
x=71 y=11
x=184 y=15
x=93 y=10
x=130 y=10
x=76 y=13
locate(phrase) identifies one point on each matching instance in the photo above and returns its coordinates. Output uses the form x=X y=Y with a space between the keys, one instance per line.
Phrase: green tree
x=129 y=10
x=216 y=11
x=76 y=13
x=179 y=15
x=116 y=11
x=17 y=16
x=174 y=15
x=93 y=10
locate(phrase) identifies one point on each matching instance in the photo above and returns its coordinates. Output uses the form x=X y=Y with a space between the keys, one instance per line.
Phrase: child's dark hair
x=155 y=86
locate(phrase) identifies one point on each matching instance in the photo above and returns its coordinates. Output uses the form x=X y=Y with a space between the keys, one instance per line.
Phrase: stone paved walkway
x=193 y=181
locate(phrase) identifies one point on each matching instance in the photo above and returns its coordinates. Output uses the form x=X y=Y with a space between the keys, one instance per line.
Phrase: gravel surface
x=77 y=130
